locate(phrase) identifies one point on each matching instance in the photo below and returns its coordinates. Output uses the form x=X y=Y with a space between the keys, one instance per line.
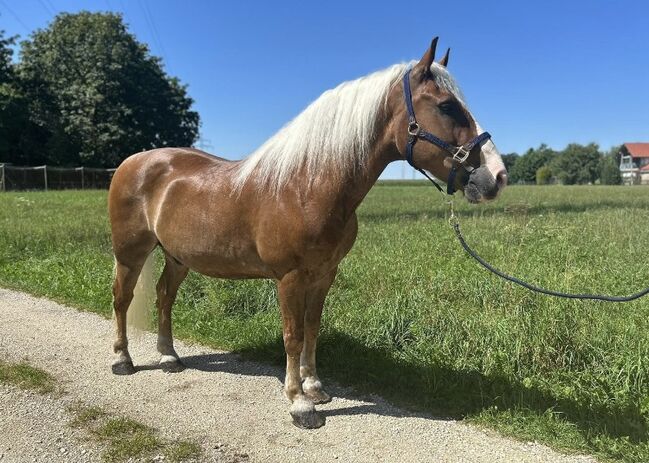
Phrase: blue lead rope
x=414 y=133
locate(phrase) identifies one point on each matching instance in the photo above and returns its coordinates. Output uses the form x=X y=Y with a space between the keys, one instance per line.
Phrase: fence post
x=82 y=178
x=2 y=178
x=45 y=176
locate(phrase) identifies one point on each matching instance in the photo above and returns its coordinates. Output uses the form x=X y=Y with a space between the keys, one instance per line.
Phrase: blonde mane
x=333 y=134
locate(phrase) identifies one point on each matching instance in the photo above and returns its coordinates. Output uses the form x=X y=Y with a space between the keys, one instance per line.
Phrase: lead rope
x=455 y=223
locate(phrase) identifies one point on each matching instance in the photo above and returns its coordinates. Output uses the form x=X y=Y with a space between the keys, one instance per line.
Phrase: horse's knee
x=293 y=343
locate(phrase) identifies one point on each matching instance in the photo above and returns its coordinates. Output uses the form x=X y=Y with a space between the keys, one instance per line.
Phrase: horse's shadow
x=354 y=371
x=238 y=364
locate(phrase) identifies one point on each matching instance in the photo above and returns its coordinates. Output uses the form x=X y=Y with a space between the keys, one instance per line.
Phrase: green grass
x=84 y=416
x=126 y=439
x=26 y=376
x=183 y=451
x=410 y=316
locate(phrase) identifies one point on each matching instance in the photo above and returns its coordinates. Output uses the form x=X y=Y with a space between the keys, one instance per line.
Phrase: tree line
x=85 y=92
x=575 y=164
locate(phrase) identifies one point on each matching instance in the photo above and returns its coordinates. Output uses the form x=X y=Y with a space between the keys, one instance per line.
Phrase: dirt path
x=221 y=401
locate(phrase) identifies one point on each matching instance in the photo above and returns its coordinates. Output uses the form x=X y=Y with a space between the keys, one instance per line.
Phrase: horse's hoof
x=305 y=416
x=123 y=368
x=170 y=364
x=318 y=396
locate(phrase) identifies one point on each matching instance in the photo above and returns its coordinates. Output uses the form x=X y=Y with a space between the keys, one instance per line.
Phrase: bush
x=609 y=172
x=543 y=176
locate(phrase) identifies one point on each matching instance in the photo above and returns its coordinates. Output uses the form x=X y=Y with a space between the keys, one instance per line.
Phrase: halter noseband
x=459 y=154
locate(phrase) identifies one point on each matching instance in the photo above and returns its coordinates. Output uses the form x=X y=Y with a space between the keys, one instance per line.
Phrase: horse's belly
x=216 y=254
x=220 y=266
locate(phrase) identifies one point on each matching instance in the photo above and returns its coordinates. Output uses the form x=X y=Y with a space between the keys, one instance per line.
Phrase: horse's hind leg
x=315 y=298
x=172 y=276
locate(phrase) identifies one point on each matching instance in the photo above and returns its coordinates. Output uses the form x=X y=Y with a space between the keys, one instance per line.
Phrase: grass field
x=410 y=316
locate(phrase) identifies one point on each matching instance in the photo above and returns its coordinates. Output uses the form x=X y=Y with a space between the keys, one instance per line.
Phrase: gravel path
x=34 y=428
x=234 y=408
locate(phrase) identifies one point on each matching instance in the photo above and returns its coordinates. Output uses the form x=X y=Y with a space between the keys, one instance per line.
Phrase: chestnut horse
x=286 y=212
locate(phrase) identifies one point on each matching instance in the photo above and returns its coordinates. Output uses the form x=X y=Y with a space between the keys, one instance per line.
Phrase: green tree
x=609 y=169
x=615 y=153
x=96 y=95
x=509 y=160
x=13 y=116
x=577 y=164
x=526 y=166
x=543 y=175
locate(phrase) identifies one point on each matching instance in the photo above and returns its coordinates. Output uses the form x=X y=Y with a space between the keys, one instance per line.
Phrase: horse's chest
x=332 y=244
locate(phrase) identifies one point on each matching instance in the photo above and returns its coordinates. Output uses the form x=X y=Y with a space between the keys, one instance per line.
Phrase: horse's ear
x=444 y=60
x=428 y=58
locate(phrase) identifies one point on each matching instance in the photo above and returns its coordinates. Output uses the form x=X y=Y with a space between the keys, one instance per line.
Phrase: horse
x=287 y=211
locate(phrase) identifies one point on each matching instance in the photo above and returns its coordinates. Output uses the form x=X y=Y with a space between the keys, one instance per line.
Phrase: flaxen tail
x=139 y=311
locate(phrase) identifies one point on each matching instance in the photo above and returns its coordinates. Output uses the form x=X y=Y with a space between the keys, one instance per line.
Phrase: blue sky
x=532 y=72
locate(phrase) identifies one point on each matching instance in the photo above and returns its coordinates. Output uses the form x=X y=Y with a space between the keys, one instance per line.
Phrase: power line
x=51 y=6
x=20 y=21
x=121 y=2
x=152 y=28
x=155 y=28
x=46 y=8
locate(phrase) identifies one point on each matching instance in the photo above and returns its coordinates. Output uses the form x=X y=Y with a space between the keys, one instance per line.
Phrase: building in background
x=634 y=163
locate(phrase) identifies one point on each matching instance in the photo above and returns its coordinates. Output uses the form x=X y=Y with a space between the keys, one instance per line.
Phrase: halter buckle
x=461 y=155
x=413 y=129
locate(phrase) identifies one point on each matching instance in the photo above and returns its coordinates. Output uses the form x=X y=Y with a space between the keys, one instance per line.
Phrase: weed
x=126 y=439
x=26 y=376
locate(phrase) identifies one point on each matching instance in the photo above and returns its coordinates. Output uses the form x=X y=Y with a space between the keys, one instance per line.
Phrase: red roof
x=638 y=150
x=644 y=168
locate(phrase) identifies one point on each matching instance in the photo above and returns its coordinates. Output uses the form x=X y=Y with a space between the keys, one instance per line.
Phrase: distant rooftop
x=638 y=150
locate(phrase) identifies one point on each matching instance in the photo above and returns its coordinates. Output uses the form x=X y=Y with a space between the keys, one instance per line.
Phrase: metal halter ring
x=461 y=155
x=413 y=128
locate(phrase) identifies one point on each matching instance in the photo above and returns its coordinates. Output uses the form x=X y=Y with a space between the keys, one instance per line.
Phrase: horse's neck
x=348 y=192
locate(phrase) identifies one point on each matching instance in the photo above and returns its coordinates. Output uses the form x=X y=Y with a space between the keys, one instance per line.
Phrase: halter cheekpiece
x=459 y=154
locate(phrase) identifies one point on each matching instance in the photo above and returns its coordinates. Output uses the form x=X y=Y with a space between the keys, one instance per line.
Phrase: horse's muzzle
x=482 y=186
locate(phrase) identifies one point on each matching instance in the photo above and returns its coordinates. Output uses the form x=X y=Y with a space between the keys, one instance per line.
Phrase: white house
x=634 y=163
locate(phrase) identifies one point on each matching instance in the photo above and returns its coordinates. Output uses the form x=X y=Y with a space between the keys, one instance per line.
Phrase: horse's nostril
x=501 y=179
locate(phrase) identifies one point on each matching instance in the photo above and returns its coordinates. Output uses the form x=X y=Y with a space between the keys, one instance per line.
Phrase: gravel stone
x=234 y=408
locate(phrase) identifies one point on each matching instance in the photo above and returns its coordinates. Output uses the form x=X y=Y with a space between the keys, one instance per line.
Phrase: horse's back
x=147 y=166
x=141 y=183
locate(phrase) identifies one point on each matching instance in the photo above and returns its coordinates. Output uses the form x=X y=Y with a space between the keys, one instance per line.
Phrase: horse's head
x=444 y=124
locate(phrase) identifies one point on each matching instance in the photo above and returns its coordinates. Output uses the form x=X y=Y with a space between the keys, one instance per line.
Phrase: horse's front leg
x=315 y=298
x=292 y=300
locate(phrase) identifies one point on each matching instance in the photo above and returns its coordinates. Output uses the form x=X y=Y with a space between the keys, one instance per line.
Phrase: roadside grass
x=410 y=316
x=83 y=416
x=26 y=376
x=126 y=439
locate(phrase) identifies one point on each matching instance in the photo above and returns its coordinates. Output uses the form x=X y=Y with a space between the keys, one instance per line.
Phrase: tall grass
x=410 y=316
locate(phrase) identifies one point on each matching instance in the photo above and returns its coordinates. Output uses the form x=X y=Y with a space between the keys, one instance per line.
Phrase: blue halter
x=459 y=154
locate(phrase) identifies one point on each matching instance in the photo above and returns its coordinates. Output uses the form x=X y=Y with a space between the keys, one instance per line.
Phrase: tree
x=509 y=160
x=526 y=166
x=543 y=175
x=577 y=164
x=96 y=95
x=616 y=153
x=609 y=169
x=13 y=116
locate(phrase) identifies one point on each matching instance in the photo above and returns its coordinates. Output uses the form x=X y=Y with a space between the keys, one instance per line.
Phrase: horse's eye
x=446 y=107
